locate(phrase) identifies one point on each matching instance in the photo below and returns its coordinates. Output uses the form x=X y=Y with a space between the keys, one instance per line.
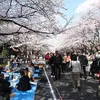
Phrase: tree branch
x=22 y=16
x=13 y=33
x=30 y=29
x=9 y=8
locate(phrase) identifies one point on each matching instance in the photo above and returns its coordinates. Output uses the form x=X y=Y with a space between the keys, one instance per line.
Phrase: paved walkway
x=63 y=88
x=64 y=91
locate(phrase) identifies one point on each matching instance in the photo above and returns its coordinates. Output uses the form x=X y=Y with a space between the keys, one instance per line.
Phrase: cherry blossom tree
x=85 y=35
x=29 y=21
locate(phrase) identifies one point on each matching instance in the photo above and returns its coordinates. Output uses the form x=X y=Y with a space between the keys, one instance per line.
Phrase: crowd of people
x=25 y=76
x=76 y=63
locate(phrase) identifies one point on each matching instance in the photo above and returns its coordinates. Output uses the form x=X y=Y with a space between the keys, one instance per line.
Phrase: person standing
x=67 y=61
x=64 y=69
x=84 y=62
x=51 y=63
x=76 y=70
x=47 y=58
x=57 y=64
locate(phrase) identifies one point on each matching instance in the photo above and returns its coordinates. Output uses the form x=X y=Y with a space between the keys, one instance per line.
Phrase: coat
x=24 y=83
x=4 y=87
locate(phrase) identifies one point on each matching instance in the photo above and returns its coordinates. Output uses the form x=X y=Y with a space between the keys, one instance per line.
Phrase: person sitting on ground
x=28 y=73
x=5 y=90
x=24 y=82
x=7 y=68
x=31 y=68
x=14 y=64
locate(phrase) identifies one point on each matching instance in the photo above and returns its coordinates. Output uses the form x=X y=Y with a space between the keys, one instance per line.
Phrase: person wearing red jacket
x=47 y=58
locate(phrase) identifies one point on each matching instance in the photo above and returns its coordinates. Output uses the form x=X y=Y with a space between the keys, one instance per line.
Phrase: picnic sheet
x=27 y=95
x=19 y=95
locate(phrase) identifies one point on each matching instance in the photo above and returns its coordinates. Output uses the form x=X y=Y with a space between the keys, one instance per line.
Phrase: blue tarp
x=35 y=75
x=19 y=95
x=37 y=70
x=27 y=95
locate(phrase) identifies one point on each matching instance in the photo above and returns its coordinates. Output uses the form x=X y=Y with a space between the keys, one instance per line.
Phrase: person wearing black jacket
x=84 y=62
x=24 y=82
x=5 y=89
x=57 y=65
x=51 y=63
